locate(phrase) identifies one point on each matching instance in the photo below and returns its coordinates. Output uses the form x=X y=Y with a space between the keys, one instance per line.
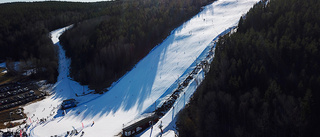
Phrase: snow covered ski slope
x=135 y=93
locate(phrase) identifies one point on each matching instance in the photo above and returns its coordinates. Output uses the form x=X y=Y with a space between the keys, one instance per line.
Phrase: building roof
x=140 y=122
x=69 y=100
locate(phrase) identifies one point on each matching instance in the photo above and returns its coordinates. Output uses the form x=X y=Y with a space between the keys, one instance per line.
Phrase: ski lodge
x=139 y=125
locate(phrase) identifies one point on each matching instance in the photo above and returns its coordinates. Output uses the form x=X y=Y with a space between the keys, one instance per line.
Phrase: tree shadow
x=133 y=89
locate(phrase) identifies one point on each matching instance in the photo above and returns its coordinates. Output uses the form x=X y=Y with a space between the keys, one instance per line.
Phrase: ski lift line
x=204 y=56
x=172 y=101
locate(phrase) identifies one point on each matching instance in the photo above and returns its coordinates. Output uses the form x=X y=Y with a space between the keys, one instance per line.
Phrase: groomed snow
x=136 y=91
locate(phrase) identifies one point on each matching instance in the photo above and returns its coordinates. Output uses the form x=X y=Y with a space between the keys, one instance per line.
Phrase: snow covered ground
x=135 y=93
x=65 y=88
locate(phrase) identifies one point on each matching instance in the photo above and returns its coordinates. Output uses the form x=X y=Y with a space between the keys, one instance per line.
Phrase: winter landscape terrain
x=145 y=86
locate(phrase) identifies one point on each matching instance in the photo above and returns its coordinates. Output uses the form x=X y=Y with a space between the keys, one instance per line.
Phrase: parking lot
x=14 y=95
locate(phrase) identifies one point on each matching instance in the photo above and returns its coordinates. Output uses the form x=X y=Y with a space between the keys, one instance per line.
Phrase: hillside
x=264 y=79
x=24 y=31
x=103 y=49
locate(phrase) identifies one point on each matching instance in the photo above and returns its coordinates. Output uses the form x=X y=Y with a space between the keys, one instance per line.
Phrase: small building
x=69 y=103
x=140 y=125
